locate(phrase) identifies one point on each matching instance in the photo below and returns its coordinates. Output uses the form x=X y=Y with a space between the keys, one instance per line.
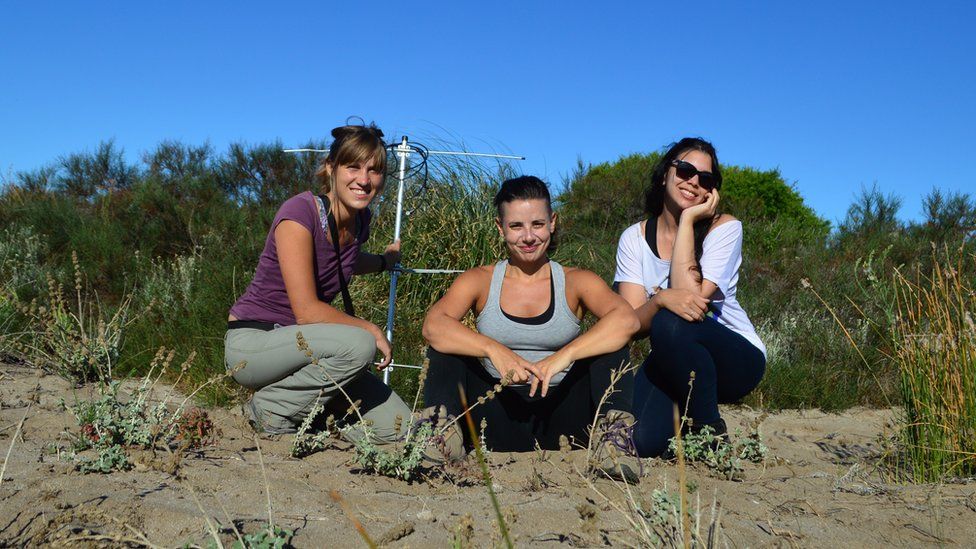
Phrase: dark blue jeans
x=727 y=367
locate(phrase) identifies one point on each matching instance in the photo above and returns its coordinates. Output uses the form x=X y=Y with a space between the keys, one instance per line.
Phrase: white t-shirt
x=720 y=262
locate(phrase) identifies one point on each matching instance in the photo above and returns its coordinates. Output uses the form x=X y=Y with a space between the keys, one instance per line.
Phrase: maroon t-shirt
x=266 y=299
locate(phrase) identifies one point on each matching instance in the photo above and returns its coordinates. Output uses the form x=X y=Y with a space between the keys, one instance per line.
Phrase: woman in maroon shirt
x=312 y=250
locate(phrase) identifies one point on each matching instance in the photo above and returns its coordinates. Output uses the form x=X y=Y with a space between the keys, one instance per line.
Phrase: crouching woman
x=312 y=250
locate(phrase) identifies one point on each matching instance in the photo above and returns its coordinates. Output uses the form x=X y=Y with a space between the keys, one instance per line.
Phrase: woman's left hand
x=549 y=367
x=705 y=210
x=392 y=255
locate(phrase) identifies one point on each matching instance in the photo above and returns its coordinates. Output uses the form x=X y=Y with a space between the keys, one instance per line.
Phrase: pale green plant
x=307 y=441
x=170 y=282
x=114 y=422
x=659 y=520
x=722 y=454
x=402 y=459
x=20 y=257
x=76 y=337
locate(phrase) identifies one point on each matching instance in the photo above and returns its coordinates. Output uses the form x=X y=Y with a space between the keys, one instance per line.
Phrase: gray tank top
x=530 y=341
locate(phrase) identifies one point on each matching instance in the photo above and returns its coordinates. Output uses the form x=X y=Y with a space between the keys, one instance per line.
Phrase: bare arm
x=684 y=303
x=616 y=325
x=294 y=245
x=685 y=273
x=444 y=331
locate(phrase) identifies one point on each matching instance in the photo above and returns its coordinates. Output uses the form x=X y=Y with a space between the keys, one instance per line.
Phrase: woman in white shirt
x=680 y=270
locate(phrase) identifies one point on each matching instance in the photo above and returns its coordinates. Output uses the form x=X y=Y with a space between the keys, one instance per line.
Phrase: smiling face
x=685 y=193
x=355 y=185
x=526 y=226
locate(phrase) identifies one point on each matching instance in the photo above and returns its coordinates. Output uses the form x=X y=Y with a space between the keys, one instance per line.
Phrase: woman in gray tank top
x=528 y=311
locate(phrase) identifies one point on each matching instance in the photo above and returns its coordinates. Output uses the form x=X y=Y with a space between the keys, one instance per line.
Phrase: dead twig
x=13 y=440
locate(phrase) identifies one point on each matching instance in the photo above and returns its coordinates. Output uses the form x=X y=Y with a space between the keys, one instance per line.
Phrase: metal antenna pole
x=402 y=150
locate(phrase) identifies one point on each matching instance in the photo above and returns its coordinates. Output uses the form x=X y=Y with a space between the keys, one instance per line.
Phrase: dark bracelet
x=382 y=263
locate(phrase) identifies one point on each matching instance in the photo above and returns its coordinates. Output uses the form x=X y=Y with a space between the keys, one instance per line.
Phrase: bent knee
x=667 y=327
x=359 y=346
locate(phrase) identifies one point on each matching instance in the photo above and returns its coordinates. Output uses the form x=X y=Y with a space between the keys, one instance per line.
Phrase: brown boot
x=447 y=443
x=614 y=454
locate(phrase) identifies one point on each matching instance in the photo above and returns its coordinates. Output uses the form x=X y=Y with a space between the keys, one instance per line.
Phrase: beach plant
x=170 y=282
x=308 y=439
x=661 y=519
x=114 y=421
x=76 y=338
x=21 y=249
x=270 y=537
x=934 y=339
x=403 y=460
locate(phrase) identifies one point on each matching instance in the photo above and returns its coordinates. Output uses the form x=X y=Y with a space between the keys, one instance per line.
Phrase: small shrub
x=722 y=454
x=400 y=460
x=307 y=441
x=272 y=537
x=112 y=422
x=169 y=283
x=20 y=258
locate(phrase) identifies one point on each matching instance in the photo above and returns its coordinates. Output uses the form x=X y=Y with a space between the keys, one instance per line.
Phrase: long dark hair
x=654 y=196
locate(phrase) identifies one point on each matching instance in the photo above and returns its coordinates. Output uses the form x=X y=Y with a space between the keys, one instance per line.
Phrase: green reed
x=935 y=351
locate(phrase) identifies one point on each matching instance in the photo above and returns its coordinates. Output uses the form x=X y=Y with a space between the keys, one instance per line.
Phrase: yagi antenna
x=403 y=150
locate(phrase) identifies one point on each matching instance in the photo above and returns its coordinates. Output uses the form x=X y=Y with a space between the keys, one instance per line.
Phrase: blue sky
x=837 y=95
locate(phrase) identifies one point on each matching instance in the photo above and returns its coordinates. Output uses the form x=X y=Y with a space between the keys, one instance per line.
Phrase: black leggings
x=515 y=421
x=727 y=367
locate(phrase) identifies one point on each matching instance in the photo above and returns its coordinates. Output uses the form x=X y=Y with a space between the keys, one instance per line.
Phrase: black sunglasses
x=687 y=170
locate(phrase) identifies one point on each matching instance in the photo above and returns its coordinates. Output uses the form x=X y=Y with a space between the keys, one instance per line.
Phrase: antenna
x=403 y=151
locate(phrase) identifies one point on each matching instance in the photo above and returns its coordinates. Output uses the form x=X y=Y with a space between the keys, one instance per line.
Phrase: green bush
x=186 y=229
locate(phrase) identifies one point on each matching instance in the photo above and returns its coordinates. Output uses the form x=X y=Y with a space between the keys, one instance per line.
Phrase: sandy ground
x=819 y=487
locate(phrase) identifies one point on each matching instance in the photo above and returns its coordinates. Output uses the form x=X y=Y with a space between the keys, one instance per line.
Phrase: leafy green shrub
x=402 y=461
x=113 y=422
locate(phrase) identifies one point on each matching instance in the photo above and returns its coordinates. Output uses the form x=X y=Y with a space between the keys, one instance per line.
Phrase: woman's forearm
x=645 y=314
x=685 y=274
x=450 y=336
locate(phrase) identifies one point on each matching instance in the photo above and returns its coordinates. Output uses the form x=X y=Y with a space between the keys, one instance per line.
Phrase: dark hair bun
x=345 y=131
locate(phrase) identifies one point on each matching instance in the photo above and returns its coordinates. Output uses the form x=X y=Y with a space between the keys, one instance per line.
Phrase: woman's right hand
x=383 y=346
x=506 y=360
x=684 y=303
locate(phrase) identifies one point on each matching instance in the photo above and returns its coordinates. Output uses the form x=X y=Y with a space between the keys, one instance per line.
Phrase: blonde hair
x=352 y=144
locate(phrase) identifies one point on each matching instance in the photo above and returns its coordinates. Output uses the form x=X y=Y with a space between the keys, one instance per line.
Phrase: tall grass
x=935 y=352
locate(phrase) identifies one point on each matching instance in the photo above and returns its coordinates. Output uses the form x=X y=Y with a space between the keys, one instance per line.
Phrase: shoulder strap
x=650 y=234
x=329 y=226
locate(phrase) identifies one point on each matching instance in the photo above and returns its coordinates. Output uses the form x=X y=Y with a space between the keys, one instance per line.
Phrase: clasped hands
x=512 y=366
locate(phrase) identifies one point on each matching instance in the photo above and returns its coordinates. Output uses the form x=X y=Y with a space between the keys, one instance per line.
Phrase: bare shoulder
x=722 y=220
x=474 y=279
x=582 y=278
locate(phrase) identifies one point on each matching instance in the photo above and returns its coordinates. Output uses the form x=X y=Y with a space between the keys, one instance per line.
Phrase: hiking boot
x=614 y=453
x=447 y=443
x=260 y=427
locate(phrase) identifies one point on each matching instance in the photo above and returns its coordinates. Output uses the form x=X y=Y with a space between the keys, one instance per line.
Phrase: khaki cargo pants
x=287 y=384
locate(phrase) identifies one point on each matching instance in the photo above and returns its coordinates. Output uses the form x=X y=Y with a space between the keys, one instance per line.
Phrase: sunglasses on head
x=687 y=170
